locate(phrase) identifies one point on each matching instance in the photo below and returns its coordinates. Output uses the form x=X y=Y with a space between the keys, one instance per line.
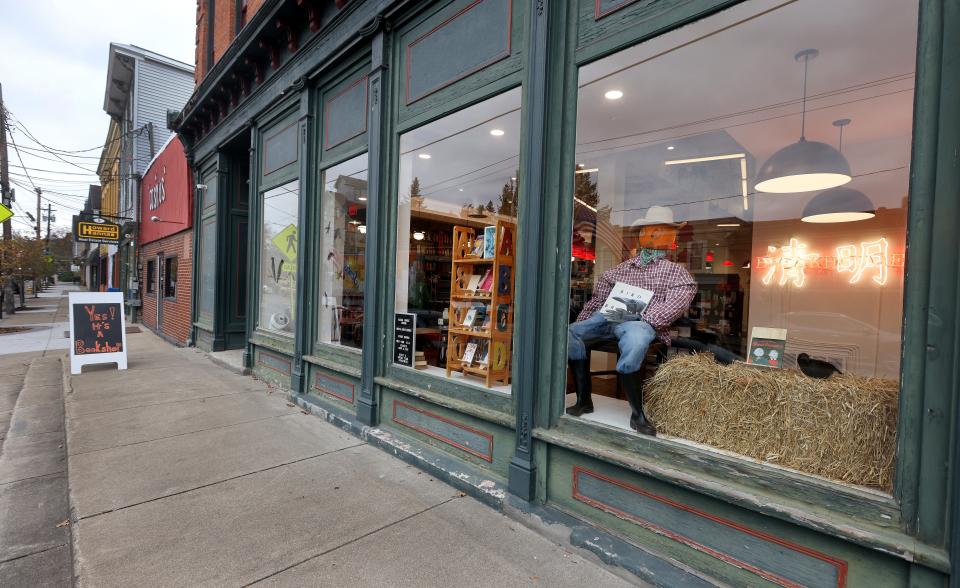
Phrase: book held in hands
x=625 y=302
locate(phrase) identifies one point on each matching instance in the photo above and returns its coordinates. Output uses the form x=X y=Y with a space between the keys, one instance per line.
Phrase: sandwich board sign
x=97 y=333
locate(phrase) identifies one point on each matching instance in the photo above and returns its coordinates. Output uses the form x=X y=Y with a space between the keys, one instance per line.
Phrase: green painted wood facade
x=736 y=521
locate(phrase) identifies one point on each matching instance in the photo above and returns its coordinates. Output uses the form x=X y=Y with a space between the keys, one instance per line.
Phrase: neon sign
x=792 y=261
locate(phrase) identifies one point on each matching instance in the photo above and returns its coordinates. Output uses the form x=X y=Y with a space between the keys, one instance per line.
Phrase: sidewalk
x=182 y=473
x=42 y=323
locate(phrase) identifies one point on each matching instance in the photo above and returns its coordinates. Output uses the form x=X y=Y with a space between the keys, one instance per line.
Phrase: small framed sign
x=404 y=338
x=97 y=333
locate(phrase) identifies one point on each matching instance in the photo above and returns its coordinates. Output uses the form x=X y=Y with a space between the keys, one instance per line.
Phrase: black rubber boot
x=633 y=386
x=580 y=368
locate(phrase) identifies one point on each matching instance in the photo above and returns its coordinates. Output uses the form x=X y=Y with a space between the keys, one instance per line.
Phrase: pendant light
x=840 y=204
x=804 y=166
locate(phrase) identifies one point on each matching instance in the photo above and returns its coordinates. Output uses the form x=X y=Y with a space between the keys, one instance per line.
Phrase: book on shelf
x=474 y=282
x=489 y=242
x=468 y=353
x=484 y=354
x=470 y=317
x=486 y=282
x=477 y=249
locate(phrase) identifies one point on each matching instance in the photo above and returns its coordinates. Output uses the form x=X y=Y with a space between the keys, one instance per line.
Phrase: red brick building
x=228 y=17
x=166 y=243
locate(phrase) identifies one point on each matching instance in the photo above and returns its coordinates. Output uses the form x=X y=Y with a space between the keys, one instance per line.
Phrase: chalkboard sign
x=97 y=333
x=404 y=338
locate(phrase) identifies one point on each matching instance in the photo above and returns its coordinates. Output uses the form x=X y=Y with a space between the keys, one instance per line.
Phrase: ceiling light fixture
x=362 y=198
x=840 y=204
x=804 y=166
x=424 y=156
x=496 y=132
x=670 y=147
x=587 y=171
x=613 y=95
x=728 y=224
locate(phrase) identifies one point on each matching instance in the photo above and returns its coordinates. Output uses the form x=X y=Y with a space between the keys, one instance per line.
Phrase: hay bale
x=842 y=428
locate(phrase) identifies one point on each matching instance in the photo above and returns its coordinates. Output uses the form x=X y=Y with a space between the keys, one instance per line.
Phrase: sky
x=54 y=74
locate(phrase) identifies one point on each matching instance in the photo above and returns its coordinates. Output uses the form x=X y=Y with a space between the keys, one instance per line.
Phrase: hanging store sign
x=97 y=334
x=95 y=230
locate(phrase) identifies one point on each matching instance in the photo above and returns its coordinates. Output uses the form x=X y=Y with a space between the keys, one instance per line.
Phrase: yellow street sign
x=286 y=242
x=5 y=213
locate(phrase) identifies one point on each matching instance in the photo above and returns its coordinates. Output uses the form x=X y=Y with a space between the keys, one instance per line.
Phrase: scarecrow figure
x=673 y=290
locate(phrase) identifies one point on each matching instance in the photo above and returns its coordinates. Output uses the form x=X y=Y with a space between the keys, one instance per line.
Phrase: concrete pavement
x=183 y=473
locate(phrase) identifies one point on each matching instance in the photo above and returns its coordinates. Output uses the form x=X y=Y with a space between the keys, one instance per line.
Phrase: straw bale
x=842 y=428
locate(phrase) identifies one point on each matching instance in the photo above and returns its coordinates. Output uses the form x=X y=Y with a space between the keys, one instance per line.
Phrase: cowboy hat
x=657 y=215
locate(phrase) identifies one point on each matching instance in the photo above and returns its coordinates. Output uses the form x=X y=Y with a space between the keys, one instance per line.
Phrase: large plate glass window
x=456 y=239
x=739 y=235
x=279 y=249
x=343 y=235
x=208 y=249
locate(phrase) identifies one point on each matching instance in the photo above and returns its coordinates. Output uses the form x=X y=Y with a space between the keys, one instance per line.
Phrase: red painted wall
x=168 y=178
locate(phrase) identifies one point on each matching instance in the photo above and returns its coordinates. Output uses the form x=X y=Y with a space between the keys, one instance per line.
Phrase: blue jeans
x=633 y=337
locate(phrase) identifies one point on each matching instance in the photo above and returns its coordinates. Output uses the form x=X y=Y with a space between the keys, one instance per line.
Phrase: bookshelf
x=481 y=302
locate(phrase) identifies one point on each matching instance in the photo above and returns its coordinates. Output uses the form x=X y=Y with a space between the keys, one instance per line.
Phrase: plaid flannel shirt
x=672 y=285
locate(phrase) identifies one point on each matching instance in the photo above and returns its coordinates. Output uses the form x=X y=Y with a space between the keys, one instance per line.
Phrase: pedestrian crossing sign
x=286 y=242
x=5 y=213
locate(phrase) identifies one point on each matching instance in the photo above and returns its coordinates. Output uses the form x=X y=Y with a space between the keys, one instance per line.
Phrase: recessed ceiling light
x=424 y=156
x=461 y=189
x=613 y=95
x=362 y=198
x=496 y=132
x=670 y=147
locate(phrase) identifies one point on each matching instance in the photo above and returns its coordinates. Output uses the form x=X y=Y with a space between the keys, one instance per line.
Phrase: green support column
x=304 y=260
x=374 y=314
x=528 y=316
x=253 y=255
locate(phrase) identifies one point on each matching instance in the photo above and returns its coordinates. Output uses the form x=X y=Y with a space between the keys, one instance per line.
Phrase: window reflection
x=279 y=251
x=343 y=228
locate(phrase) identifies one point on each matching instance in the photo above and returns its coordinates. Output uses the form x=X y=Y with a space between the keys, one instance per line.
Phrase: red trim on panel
x=330 y=392
x=499 y=57
x=840 y=565
x=326 y=115
x=598 y=14
x=429 y=433
x=272 y=137
x=278 y=358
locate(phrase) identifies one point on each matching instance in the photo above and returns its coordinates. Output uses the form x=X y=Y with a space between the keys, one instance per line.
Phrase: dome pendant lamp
x=840 y=204
x=804 y=166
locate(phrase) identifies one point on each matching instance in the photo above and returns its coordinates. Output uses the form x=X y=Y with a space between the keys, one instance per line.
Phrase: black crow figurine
x=815 y=368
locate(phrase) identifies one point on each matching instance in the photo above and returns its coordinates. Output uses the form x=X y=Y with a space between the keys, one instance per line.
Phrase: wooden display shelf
x=493 y=343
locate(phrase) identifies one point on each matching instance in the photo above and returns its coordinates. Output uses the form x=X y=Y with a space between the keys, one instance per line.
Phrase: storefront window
x=343 y=229
x=278 y=258
x=456 y=238
x=739 y=235
x=170 y=277
x=151 y=276
x=208 y=249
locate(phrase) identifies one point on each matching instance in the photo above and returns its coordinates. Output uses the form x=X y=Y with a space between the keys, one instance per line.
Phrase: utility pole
x=49 y=217
x=4 y=171
x=39 y=212
x=7 y=303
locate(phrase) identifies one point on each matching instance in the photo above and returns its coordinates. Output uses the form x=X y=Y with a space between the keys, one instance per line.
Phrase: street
x=177 y=472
